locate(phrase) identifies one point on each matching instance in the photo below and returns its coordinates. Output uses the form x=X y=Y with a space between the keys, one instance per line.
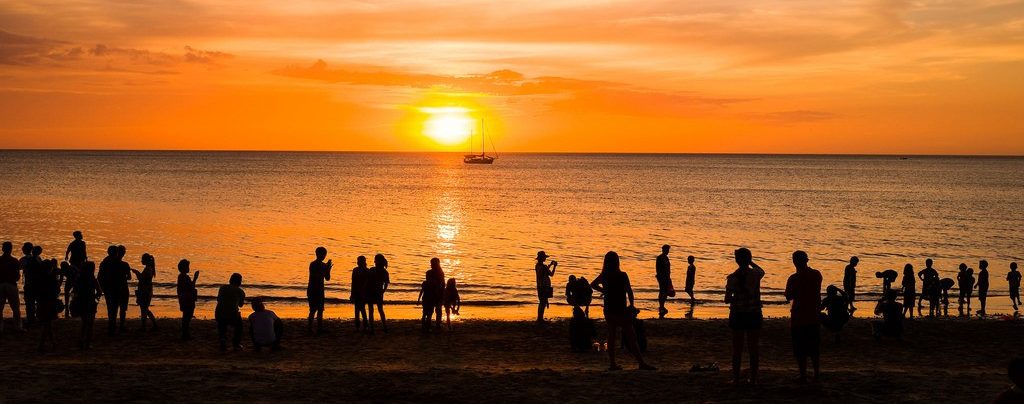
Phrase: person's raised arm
x=195 y=278
x=728 y=290
x=67 y=253
x=598 y=283
x=387 y=281
x=99 y=289
x=327 y=274
x=552 y=267
x=136 y=272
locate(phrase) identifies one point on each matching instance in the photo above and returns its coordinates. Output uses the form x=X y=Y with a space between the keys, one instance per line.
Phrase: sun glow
x=447 y=125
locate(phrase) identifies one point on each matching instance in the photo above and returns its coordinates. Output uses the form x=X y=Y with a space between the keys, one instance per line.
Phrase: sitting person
x=583 y=294
x=582 y=332
x=570 y=289
x=1015 y=394
x=265 y=327
x=945 y=285
x=837 y=310
x=892 y=317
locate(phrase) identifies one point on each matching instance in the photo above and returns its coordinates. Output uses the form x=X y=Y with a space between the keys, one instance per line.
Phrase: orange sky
x=888 y=76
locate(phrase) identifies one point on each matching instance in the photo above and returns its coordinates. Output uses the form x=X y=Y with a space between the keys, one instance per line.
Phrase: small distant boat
x=481 y=158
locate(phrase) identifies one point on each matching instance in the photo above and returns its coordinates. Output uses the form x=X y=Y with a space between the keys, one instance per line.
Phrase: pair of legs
x=437 y=315
x=235 y=323
x=851 y=295
x=30 y=305
x=448 y=316
x=982 y=297
x=807 y=343
x=276 y=344
x=542 y=304
x=85 y=336
x=186 y=322
x=428 y=310
x=620 y=320
x=1015 y=298
x=316 y=310
x=380 y=310
x=9 y=297
x=662 y=298
x=689 y=292
x=113 y=307
x=359 y=308
x=47 y=334
x=145 y=313
x=745 y=327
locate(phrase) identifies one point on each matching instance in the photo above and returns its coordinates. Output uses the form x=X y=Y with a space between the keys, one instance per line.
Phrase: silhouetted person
x=743 y=294
x=436 y=281
x=27 y=264
x=887 y=276
x=892 y=317
x=113 y=278
x=570 y=291
x=850 y=281
x=930 y=288
x=691 y=277
x=544 y=291
x=265 y=328
x=663 y=274
x=68 y=275
x=582 y=332
x=1013 y=279
x=583 y=294
x=187 y=296
x=230 y=298
x=360 y=275
x=945 y=284
x=452 y=301
x=427 y=306
x=1014 y=394
x=909 y=290
x=965 y=282
x=377 y=283
x=619 y=311
x=144 y=289
x=10 y=274
x=837 y=310
x=319 y=273
x=86 y=299
x=49 y=290
x=982 y=286
x=803 y=289
x=75 y=254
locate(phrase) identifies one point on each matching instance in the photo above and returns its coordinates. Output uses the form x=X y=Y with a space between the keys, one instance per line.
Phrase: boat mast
x=483 y=141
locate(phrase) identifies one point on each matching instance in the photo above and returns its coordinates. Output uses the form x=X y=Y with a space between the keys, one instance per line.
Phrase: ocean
x=263 y=213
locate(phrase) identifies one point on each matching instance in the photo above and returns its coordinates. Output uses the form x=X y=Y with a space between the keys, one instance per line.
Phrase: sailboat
x=481 y=158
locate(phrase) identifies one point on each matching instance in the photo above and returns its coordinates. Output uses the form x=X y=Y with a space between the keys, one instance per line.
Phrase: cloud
x=43 y=52
x=798 y=116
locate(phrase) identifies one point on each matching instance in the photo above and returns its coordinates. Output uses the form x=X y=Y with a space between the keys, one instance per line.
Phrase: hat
x=541 y=254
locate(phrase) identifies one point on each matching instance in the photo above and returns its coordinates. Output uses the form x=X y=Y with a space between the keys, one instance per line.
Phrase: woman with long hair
x=618 y=311
x=743 y=294
x=377 y=283
x=144 y=289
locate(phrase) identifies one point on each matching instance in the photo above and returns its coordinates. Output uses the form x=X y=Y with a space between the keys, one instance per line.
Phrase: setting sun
x=447 y=125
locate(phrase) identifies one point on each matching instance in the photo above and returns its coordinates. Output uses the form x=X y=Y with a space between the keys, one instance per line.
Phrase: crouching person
x=265 y=327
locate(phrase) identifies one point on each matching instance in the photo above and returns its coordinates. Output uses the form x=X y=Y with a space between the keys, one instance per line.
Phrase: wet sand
x=506 y=361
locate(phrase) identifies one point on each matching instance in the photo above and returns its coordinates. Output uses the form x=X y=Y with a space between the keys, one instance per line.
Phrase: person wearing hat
x=544 y=290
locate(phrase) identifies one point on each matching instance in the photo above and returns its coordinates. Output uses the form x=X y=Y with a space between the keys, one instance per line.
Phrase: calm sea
x=262 y=214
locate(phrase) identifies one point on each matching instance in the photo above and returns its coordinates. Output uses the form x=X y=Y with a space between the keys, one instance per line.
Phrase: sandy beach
x=506 y=361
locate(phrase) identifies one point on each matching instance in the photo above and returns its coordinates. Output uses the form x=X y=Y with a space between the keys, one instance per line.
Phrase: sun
x=447 y=125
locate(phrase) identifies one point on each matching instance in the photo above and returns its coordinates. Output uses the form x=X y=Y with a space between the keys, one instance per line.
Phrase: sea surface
x=263 y=213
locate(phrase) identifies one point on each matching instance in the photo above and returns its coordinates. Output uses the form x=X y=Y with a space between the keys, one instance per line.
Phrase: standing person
x=187 y=296
x=144 y=289
x=691 y=277
x=10 y=274
x=230 y=298
x=909 y=290
x=48 y=289
x=663 y=273
x=850 y=281
x=265 y=328
x=68 y=276
x=27 y=264
x=1013 y=279
x=930 y=288
x=544 y=291
x=743 y=294
x=124 y=271
x=452 y=301
x=804 y=289
x=619 y=311
x=114 y=283
x=75 y=254
x=377 y=283
x=436 y=282
x=86 y=298
x=319 y=272
x=982 y=286
x=965 y=284
x=359 y=278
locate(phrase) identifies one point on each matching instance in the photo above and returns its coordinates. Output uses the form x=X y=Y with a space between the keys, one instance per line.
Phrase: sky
x=727 y=76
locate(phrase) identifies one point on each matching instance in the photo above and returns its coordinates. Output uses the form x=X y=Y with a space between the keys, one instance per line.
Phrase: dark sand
x=505 y=361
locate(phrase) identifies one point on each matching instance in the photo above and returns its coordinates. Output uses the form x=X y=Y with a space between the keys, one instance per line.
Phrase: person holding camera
x=544 y=290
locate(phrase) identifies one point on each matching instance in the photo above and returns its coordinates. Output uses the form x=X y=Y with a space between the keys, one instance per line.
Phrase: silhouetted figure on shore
x=452 y=301
x=1013 y=280
x=982 y=286
x=887 y=276
x=86 y=299
x=1014 y=394
x=803 y=289
x=265 y=328
x=850 y=281
x=743 y=294
x=187 y=297
x=582 y=332
x=319 y=273
x=691 y=277
x=663 y=274
x=837 y=310
x=619 y=311
x=113 y=279
x=945 y=284
x=10 y=274
x=49 y=289
x=144 y=289
x=377 y=283
x=909 y=290
x=75 y=254
x=930 y=289
x=68 y=275
x=27 y=264
x=431 y=294
x=570 y=291
x=965 y=282
x=892 y=317
x=584 y=295
x=544 y=273
x=230 y=299
x=360 y=274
